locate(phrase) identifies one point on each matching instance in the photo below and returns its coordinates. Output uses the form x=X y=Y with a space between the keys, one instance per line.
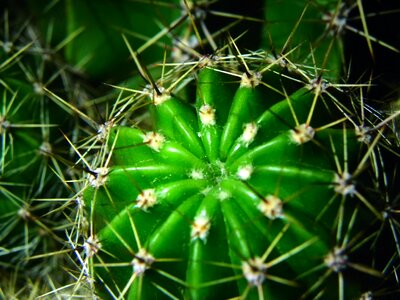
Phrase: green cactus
x=250 y=192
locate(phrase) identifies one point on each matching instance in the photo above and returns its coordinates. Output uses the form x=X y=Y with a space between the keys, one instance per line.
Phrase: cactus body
x=237 y=195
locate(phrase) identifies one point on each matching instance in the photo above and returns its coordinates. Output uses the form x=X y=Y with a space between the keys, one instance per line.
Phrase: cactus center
x=217 y=170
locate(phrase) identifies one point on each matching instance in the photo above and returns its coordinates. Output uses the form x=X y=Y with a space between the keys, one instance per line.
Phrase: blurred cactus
x=34 y=189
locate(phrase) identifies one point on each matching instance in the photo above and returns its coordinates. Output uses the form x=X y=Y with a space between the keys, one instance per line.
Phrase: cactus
x=34 y=193
x=254 y=191
x=239 y=173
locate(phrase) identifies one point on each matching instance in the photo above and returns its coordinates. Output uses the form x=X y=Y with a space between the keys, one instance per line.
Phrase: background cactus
x=239 y=146
x=35 y=193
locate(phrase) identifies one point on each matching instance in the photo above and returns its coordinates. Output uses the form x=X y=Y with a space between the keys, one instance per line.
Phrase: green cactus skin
x=240 y=195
